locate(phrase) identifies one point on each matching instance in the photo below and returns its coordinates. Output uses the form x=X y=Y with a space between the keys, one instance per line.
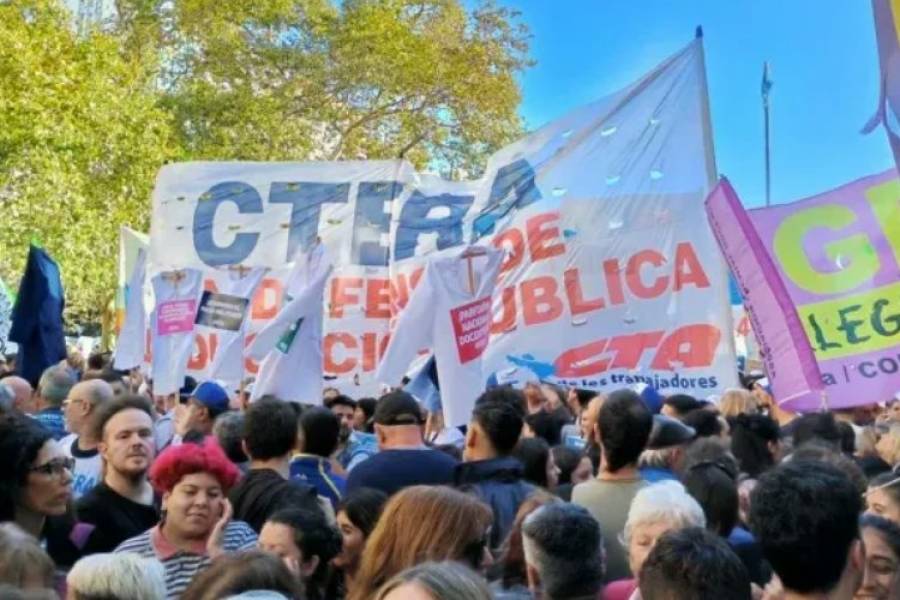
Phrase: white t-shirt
x=88 y=470
x=172 y=328
x=443 y=314
x=290 y=345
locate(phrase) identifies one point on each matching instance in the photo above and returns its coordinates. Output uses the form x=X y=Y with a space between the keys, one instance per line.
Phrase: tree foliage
x=89 y=119
x=82 y=136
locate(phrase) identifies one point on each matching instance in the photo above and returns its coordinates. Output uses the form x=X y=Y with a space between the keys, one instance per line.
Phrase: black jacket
x=499 y=484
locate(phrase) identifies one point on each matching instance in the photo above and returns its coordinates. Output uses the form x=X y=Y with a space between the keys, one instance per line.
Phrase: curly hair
x=178 y=461
x=21 y=439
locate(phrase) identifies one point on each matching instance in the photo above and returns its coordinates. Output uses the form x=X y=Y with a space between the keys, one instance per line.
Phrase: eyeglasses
x=55 y=467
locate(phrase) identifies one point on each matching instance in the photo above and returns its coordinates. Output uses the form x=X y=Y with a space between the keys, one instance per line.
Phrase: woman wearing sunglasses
x=36 y=489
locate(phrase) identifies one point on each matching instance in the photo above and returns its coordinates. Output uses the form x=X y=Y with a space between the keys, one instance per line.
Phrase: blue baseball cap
x=213 y=396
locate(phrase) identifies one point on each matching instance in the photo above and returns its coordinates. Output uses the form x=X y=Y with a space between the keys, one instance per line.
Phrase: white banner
x=611 y=277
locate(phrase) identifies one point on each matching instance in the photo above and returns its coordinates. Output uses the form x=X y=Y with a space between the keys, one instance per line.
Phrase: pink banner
x=838 y=255
x=790 y=363
x=175 y=316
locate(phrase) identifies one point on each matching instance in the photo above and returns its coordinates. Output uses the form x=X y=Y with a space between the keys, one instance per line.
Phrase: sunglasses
x=55 y=467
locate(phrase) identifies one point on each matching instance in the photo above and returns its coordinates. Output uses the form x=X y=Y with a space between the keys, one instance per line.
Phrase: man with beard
x=123 y=505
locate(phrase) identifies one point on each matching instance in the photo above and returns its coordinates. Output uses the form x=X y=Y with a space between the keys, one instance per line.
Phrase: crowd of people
x=109 y=492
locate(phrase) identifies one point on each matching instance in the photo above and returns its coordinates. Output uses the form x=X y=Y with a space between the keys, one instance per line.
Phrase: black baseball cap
x=398 y=408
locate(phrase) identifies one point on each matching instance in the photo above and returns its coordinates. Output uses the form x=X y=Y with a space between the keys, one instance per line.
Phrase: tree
x=81 y=140
x=89 y=116
x=300 y=79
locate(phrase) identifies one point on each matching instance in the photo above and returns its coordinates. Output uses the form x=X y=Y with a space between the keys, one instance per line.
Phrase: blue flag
x=37 y=317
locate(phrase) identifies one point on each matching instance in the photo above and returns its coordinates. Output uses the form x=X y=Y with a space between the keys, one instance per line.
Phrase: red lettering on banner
x=513 y=241
x=577 y=361
x=692 y=346
x=577 y=304
x=372 y=351
x=613 y=276
x=378 y=299
x=688 y=268
x=540 y=303
x=346 y=365
x=633 y=275
x=630 y=348
x=541 y=235
x=341 y=288
x=401 y=287
x=507 y=318
x=267 y=299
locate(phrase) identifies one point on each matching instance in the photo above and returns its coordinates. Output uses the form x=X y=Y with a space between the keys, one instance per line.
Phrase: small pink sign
x=175 y=316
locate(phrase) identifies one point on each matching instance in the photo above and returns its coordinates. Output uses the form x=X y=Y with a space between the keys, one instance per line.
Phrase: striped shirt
x=181 y=566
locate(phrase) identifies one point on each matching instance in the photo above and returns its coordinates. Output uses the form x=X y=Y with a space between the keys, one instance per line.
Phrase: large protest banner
x=838 y=256
x=611 y=274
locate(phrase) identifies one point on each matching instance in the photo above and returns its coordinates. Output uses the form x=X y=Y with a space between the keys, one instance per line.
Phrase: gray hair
x=122 y=575
x=662 y=458
x=55 y=384
x=663 y=502
x=7 y=398
x=228 y=429
x=442 y=580
x=564 y=544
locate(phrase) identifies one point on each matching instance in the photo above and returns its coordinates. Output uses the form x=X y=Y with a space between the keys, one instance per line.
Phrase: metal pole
x=768 y=163
x=766 y=86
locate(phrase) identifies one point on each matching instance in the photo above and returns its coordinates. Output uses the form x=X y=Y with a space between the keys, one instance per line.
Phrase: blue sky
x=822 y=54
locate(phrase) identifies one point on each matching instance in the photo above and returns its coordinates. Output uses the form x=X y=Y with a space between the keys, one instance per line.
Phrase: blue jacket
x=499 y=483
x=316 y=472
x=37 y=317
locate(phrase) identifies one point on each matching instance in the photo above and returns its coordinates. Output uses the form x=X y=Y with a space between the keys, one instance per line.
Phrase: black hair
x=750 y=438
x=533 y=453
x=805 y=516
x=500 y=421
x=110 y=376
x=693 y=564
x=367 y=405
x=705 y=422
x=270 y=429
x=97 y=361
x=321 y=431
x=711 y=450
x=714 y=487
x=887 y=529
x=108 y=410
x=546 y=426
x=507 y=394
x=567 y=545
x=872 y=466
x=363 y=507
x=21 y=440
x=848 y=438
x=625 y=423
x=682 y=404
x=567 y=460
x=234 y=573
x=341 y=400
x=584 y=397
x=817 y=451
x=819 y=427
x=314 y=536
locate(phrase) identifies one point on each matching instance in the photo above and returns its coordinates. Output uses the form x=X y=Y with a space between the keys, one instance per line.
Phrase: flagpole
x=766 y=85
